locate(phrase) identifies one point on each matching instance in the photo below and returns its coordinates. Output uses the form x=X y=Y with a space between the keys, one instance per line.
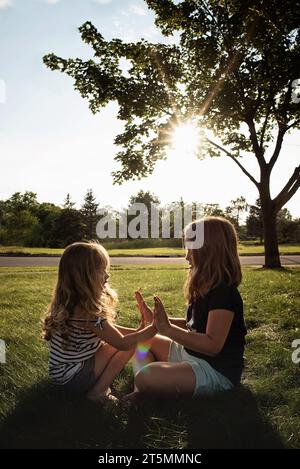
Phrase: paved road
x=53 y=261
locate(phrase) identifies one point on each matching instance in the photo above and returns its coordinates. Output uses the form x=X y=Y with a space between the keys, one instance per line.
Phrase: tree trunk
x=269 y=221
x=272 y=259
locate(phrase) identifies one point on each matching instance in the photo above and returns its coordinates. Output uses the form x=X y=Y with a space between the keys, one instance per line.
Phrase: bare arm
x=210 y=343
x=179 y=322
x=110 y=334
x=125 y=330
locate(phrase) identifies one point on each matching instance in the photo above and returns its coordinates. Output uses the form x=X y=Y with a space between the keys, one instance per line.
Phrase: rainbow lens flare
x=142 y=351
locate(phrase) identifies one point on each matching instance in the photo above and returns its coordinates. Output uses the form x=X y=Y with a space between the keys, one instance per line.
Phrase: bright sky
x=51 y=144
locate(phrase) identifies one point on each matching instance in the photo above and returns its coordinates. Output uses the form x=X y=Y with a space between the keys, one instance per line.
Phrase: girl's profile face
x=105 y=277
x=189 y=257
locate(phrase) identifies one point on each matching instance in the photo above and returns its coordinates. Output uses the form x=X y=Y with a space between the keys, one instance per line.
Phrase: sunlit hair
x=80 y=287
x=216 y=261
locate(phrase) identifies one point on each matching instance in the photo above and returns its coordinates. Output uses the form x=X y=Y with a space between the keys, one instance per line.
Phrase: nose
x=188 y=259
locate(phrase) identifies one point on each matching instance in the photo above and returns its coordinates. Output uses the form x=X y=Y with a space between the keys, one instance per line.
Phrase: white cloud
x=137 y=10
x=52 y=2
x=151 y=32
x=5 y=4
x=103 y=2
x=126 y=34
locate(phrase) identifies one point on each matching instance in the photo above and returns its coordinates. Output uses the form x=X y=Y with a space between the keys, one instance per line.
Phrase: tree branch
x=282 y=125
x=280 y=135
x=289 y=189
x=235 y=160
x=296 y=122
x=263 y=130
x=257 y=149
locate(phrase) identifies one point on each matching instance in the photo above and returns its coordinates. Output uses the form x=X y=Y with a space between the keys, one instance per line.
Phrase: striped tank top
x=82 y=344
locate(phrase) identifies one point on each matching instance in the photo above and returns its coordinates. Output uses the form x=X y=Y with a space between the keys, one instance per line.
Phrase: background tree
x=89 y=214
x=287 y=229
x=2 y=217
x=18 y=202
x=147 y=198
x=254 y=223
x=213 y=210
x=171 y=212
x=68 y=202
x=236 y=208
x=43 y=234
x=18 y=218
x=19 y=227
x=68 y=228
x=235 y=67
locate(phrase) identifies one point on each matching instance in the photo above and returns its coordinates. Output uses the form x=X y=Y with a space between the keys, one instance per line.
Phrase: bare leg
x=166 y=379
x=160 y=347
x=158 y=350
x=109 y=362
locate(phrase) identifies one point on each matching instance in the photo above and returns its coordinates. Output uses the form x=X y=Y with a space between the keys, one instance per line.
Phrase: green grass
x=263 y=412
x=244 y=249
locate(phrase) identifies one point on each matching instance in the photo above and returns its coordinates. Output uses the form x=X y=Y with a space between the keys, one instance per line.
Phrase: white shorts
x=208 y=380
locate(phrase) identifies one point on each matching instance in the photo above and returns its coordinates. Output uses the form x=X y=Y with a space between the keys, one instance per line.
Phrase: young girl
x=87 y=351
x=203 y=353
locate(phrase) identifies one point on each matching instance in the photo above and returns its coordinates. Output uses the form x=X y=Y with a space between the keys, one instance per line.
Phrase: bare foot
x=103 y=398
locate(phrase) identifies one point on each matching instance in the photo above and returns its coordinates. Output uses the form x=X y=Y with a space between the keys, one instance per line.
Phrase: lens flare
x=142 y=351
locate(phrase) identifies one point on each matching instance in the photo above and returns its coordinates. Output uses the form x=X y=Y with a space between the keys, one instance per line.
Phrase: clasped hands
x=157 y=317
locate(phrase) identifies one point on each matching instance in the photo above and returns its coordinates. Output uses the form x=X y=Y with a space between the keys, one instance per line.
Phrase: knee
x=144 y=379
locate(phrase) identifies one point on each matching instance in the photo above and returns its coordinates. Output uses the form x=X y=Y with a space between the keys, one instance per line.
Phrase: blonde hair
x=80 y=285
x=216 y=261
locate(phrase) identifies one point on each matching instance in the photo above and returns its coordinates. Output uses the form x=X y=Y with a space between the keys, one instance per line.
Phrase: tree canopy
x=235 y=63
x=233 y=69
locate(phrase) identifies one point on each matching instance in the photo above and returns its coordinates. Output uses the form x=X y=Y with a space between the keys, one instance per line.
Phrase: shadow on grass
x=46 y=418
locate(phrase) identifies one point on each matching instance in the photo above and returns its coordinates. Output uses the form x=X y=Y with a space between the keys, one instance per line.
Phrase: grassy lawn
x=263 y=412
x=244 y=250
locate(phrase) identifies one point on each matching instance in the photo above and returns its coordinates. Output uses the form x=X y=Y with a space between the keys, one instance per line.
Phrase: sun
x=185 y=139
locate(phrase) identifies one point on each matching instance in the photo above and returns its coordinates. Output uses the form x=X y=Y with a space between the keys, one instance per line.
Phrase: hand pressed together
x=145 y=310
x=161 y=319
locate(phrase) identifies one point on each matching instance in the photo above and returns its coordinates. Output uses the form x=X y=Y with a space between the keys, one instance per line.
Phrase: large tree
x=234 y=67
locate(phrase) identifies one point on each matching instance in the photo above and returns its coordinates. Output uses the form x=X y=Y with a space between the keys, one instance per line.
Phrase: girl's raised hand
x=146 y=312
x=161 y=319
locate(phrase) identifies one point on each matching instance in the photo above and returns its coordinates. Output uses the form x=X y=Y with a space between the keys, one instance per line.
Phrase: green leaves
x=231 y=67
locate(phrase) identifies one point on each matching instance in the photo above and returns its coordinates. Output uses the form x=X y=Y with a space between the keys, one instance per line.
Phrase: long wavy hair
x=216 y=261
x=81 y=286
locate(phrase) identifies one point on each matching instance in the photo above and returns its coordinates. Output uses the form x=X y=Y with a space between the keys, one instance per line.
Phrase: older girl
x=204 y=352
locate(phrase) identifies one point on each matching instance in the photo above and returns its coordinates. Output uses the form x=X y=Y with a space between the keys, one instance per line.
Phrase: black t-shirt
x=229 y=361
